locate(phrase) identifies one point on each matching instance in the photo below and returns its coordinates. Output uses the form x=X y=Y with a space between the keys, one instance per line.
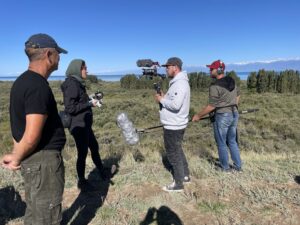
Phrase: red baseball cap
x=216 y=65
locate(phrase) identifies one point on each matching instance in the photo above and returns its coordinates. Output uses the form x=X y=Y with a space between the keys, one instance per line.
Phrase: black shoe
x=173 y=188
x=84 y=185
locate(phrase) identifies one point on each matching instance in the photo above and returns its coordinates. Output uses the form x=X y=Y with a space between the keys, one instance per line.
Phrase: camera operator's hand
x=158 y=97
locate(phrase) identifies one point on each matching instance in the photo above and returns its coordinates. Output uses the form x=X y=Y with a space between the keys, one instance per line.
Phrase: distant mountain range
x=277 y=65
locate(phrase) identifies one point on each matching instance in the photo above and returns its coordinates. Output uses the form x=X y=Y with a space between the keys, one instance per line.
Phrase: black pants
x=175 y=154
x=84 y=139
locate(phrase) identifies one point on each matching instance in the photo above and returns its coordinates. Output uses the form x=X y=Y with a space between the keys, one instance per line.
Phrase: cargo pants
x=43 y=174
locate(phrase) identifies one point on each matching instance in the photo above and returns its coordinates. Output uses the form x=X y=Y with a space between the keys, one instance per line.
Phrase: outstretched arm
x=207 y=109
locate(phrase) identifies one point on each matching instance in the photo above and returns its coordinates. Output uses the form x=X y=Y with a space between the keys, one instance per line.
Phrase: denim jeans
x=225 y=131
x=44 y=179
x=176 y=157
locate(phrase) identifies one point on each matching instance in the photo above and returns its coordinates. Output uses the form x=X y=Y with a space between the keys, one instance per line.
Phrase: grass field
x=267 y=192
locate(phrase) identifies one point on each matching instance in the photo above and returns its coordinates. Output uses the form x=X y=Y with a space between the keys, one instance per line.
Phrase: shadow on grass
x=84 y=208
x=11 y=204
x=297 y=179
x=163 y=216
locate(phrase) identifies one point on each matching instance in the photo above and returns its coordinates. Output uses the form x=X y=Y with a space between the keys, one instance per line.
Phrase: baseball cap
x=174 y=61
x=216 y=65
x=43 y=41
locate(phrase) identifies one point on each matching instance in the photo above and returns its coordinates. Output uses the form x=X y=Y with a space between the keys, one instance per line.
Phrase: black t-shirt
x=31 y=94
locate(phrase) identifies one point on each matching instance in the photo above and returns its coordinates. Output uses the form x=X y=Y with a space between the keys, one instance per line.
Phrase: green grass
x=265 y=193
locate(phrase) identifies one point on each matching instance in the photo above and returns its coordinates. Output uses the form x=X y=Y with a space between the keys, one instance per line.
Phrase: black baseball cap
x=43 y=41
x=174 y=61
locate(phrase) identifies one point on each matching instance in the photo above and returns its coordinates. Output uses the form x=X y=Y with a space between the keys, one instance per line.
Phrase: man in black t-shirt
x=38 y=134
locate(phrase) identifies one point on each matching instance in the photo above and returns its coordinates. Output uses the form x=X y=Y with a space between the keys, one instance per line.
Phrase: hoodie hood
x=74 y=69
x=227 y=83
x=180 y=76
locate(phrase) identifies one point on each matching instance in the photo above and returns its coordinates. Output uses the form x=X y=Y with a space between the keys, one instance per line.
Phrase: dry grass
x=265 y=193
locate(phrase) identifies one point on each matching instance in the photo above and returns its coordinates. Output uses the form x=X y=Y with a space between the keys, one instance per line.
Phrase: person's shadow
x=11 y=205
x=297 y=179
x=88 y=202
x=163 y=216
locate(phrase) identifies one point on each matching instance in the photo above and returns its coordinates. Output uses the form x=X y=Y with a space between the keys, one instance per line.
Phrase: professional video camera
x=98 y=95
x=150 y=68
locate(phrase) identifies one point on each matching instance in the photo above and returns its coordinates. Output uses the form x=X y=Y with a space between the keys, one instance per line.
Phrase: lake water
x=242 y=75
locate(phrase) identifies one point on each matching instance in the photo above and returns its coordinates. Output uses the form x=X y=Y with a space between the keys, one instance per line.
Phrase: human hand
x=99 y=103
x=196 y=117
x=93 y=102
x=9 y=161
x=158 y=97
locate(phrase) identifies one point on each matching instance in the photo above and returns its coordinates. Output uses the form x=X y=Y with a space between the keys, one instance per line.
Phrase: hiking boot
x=84 y=185
x=173 y=187
x=187 y=180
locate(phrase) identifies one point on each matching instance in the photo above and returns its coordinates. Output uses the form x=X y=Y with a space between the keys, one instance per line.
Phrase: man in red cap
x=223 y=101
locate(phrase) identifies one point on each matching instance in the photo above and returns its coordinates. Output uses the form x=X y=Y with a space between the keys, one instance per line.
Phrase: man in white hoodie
x=174 y=117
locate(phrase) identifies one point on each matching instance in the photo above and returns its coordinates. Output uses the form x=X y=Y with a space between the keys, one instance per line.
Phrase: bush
x=92 y=78
x=131 y=81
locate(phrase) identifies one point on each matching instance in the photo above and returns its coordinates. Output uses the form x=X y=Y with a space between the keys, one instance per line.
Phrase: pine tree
x=262 y=81
x=233 y=75
x=252 y=81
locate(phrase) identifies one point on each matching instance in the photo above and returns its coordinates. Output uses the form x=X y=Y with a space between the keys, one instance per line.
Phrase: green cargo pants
x=44 y=179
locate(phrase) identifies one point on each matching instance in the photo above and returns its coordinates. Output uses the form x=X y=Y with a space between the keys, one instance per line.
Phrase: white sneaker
x=187 y=180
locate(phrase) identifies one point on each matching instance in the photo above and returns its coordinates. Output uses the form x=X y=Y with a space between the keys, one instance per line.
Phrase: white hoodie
x=176 y=103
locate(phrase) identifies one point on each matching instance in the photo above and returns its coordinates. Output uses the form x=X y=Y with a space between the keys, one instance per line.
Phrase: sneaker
x=187 y=180
x=173 y=187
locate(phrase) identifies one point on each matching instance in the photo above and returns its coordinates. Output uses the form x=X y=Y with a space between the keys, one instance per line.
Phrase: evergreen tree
x=262 y=81
x=272 y=79
x=252 y=81
x=233 y=75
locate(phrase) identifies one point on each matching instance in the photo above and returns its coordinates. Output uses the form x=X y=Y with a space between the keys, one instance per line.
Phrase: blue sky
x=112 y=34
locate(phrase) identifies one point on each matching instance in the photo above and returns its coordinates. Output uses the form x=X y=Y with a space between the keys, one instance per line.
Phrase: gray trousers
x=44 y=179
x=176 y=157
